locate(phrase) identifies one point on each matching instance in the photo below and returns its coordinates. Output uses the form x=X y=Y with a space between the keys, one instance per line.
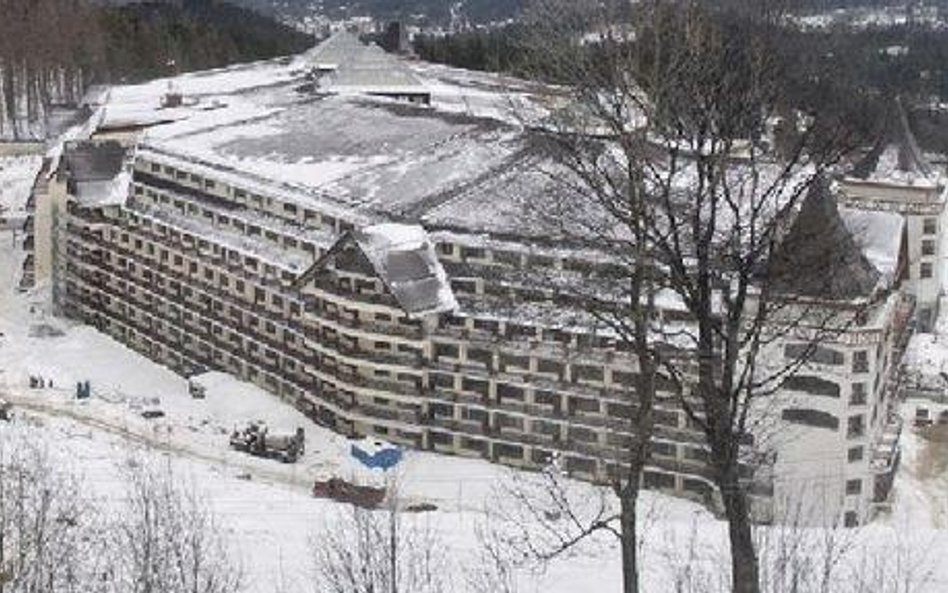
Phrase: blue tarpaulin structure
x=376 y=454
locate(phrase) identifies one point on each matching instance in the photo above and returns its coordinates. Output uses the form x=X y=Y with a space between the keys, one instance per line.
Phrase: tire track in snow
x=161 y=442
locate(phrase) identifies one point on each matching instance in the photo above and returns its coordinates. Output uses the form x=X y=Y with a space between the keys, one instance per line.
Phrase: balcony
x=885 y=453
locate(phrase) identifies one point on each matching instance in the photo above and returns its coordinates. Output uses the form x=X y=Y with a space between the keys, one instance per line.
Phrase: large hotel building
x=374 y=263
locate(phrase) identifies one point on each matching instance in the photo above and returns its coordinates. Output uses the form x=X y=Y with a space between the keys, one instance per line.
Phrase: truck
x=366 y=497
x=196 y=390
x=256 y=439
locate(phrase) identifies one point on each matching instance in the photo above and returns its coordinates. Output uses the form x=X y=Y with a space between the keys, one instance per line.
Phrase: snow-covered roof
x=95 y=172
x=105 y=192
x=879 y=234
x=344 y=64
x=359 y=158
x=405 y=260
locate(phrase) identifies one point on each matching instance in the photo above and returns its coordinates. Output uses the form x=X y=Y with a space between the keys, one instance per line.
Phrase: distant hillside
x=139 y=39
x=429 y=12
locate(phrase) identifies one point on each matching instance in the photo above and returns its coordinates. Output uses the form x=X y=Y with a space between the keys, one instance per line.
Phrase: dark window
x=855 y=454
x=623 y=378
x=582 y=434
x=860 y=361
x=666 y=418
x=858 y=396
x=659 y=480
x=930 y=226
x=619 y=410
x=925 y=270
x=697 y=487
x=446 y=351
x=474 y=414
x=474 y=385
x=472 y=252
x=549 y=366
x=546 y=398
x=473 y=444
x=504 y=421
x=464 y=286
x=581 y=465
x=442 y=380
x=509 y=451
x=818 y=354
x=510 y=360
x=696 y=454
x=506 y=391
x=855 y=427
x=928 y=247
x=807 y=417
x=544 y=427
x=851 y=519
x=588 y=373
x=853 y=486
x=507 y=257
x=582 y=404
x=479 y=355
x=488 y=325
x=812 y=385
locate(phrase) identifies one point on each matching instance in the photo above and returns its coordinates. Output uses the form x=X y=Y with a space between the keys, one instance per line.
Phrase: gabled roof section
x=819 y=257
x=404 y=258
x=896 y=156
x=95 y=174
x=93 y=161
x=880 y=234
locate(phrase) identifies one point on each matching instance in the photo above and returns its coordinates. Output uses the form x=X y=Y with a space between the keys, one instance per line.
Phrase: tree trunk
x=630 y=568
x=744 y=568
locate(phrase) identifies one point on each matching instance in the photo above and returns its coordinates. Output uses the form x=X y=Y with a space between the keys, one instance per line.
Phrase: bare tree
x=795 y=558
x=168 y=540
x=48 y=534
x=665 y=155
x=600 y=205
x=386 y=550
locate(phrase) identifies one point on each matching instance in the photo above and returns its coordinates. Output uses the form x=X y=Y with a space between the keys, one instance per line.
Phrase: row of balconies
x=281 y=346
x=374 y=413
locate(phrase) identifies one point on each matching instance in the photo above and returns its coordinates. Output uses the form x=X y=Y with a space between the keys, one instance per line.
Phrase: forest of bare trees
x=52 y=50
x=47 y=55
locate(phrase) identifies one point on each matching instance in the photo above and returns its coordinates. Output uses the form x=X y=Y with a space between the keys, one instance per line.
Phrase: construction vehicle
x=257 y=440
x=366 y=497
x=197 y=390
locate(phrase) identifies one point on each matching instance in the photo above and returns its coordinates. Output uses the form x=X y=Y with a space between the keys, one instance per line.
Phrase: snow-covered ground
x=266 y=506
x=16 y=178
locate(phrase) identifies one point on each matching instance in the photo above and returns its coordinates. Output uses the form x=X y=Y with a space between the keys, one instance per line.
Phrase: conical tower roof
x=896 y=156
x=819 y=257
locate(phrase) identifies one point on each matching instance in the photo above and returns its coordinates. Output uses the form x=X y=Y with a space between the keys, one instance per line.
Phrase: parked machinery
x=256 y=439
